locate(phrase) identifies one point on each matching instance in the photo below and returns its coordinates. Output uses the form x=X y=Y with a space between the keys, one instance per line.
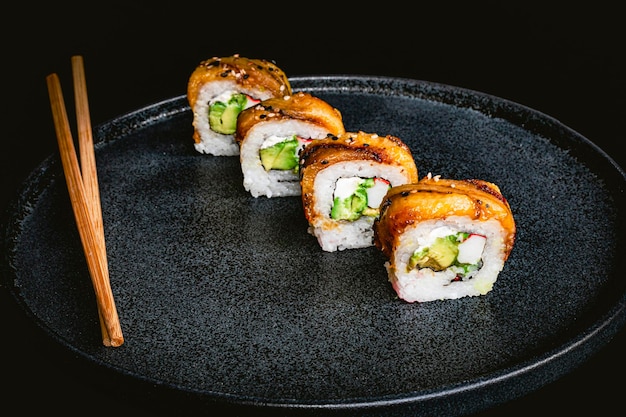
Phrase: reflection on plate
x=226 y=298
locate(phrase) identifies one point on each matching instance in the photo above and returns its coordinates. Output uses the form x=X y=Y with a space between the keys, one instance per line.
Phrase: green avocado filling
x=354 y=206
x=282 y=155
x=223 y=116
x=441 y=255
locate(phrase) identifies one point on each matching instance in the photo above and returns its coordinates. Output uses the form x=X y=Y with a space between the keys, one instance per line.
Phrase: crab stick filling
x=445 y=248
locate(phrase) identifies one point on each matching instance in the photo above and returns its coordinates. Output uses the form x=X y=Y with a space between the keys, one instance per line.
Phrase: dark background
x=563 y=60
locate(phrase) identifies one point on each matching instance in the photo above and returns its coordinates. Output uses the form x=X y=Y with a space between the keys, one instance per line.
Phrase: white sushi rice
x=212 y=142
x=334 y=235
x=427 y=285
x=273 y=183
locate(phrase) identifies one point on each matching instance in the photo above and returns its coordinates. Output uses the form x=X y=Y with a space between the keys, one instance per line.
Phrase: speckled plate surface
x=226 y=300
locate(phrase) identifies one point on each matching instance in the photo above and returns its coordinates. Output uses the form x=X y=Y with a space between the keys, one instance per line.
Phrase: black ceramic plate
x=226 y=300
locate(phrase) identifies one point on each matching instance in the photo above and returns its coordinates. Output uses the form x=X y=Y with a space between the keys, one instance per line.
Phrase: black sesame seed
x=405 y=193
x=324 y=162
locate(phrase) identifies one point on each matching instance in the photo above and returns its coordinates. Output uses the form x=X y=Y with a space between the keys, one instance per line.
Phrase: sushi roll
x=219 y=89
x=272 y=134
x=444 y=239
x=344 y=179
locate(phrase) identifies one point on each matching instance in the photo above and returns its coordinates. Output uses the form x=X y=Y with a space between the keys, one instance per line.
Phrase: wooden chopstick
x=85 y=143
x=88 y=163
x=86 y=213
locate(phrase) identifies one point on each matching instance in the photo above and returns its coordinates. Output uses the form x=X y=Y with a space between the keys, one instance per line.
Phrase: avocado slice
x=357 y=204
x=223 y=116
x=439 y=256
x=281 y=155
x=350 y=208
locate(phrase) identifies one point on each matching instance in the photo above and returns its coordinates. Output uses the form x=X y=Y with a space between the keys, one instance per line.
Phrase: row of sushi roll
x=442 y=238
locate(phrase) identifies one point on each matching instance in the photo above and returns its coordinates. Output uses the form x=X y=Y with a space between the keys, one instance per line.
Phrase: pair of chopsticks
x=82 y=184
